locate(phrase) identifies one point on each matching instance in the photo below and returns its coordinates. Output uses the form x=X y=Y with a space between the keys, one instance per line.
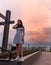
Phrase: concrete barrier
x=28 y=60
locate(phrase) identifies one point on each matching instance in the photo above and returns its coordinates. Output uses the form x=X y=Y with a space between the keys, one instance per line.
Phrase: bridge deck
x=44 y=59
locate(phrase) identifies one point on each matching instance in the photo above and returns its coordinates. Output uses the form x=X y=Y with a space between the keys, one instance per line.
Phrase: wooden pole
x=6 y=30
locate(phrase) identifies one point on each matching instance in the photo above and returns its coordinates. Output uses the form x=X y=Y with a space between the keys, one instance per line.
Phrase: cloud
x=35 y=14
x=40 y=37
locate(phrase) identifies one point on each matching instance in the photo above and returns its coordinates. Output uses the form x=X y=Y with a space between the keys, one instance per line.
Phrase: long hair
x=21 y=25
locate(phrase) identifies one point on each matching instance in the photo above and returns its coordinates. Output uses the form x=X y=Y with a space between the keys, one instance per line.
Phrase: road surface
x=44 y=59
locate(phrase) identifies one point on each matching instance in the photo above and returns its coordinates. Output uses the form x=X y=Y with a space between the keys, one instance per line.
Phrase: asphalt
x=44 y=59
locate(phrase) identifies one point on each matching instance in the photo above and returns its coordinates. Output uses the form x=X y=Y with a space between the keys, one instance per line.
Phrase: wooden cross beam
x=2 y=16
x=6 y=27
x=3 y=23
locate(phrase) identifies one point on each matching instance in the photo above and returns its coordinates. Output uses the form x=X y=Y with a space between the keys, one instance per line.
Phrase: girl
x=19 y=39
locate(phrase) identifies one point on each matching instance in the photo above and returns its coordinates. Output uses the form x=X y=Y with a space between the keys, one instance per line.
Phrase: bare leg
x=17 y=49
x=21 y=53
x=21 y=50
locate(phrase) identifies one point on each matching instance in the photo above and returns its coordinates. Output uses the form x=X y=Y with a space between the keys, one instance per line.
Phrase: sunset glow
x=35 y=14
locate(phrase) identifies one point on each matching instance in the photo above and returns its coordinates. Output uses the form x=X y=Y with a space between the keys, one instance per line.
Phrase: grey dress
x=18 y=36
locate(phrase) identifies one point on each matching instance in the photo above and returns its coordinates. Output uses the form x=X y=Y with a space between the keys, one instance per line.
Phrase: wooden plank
x=2 y=16
x=2 y=23
x=11 y=22
x=6 y=30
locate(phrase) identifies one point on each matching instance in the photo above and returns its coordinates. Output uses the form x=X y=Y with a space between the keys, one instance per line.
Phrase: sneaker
x=17 y=58
x=21 y=59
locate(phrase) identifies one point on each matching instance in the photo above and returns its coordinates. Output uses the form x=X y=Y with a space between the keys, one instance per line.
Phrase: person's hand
x=15 y=26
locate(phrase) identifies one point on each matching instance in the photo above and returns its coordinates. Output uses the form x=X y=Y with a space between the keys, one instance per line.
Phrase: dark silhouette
x=6 y=28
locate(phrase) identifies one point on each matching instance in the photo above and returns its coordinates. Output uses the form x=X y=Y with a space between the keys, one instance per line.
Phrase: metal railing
x=8 y=52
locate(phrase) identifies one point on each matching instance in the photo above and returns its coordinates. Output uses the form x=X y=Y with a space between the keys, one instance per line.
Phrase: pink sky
x=34 y=13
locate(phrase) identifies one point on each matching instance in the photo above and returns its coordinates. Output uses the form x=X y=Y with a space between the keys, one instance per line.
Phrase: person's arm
x=23 y=33
x=15 y=26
